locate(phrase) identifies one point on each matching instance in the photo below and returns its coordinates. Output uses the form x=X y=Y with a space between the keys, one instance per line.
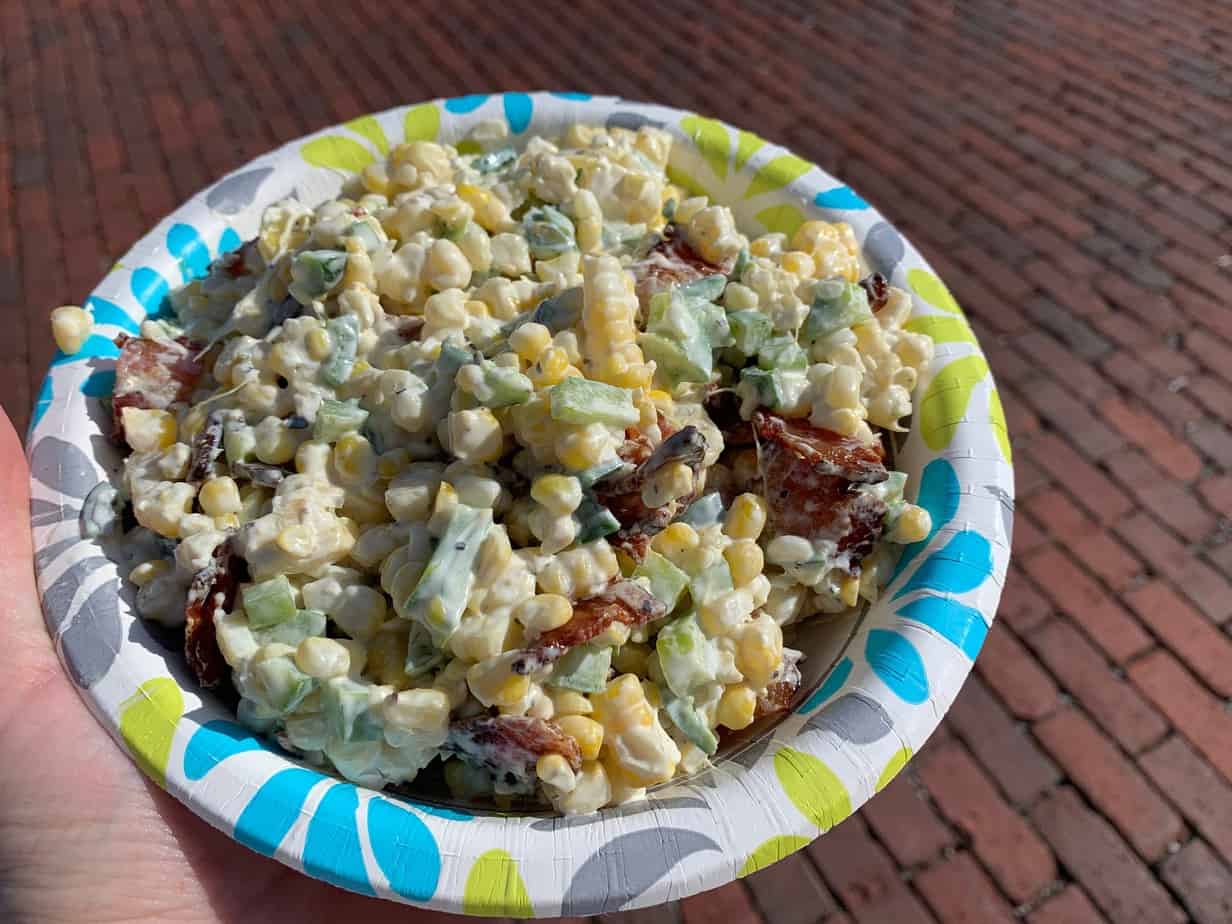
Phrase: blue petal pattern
x=939 y=495
x=464 y=104
x=332 y=851
x=106 y=312
x=213 y=743
x=960 y=624
x=898 y=665
x=96 y=345
x=229 y=241
x=518 y=110
x=266 y=820
x=831 y=685
x=150 y=289
x=185 y=244
x=404 y=849
x=962 y=565
x=571 y=95
x=99 y=384
x=841 y=197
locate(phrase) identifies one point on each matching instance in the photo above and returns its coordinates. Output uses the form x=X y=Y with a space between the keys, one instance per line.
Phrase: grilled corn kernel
x=746 y=518
x=319 y=344
x=580 y=448
x=912 y=525
x=745 y=558
x=275 y=442
x=569 y=702
x=148 y=430
x=798 y=263
x=737 y=707
x=586 y=732
x=416 y=710
x=543 y=612
x=322 y=658
x=759 y=651
x=354 y=459
x=296 y=540
x=71 y=327
x=675 y=540
x=554 y=770
x=549 y=369
x=220 y=496
x=530 y=340
x=560 y=494
x=148 y=570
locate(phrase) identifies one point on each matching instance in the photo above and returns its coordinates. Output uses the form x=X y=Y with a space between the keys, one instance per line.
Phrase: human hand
x=83 y=834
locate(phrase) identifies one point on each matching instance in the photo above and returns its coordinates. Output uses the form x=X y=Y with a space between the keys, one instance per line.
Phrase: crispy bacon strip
x=503 y=743
x=723 y=406
x=206 y=448
x=877 y=287
x=781 y=691
x=670 y=262
x=152 y=374
x=809 y=476
x=623 y=601
x=622 y=496
x=212 y=588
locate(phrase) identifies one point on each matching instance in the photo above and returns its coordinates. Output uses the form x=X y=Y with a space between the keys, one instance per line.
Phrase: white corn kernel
x=71 y=327
x=322 y=658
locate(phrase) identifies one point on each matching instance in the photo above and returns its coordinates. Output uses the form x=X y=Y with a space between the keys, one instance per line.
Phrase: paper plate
x=882 y=681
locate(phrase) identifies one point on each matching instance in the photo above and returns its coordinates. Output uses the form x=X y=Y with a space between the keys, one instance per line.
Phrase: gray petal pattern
x=854 y=717
x=59 y=596
x=883 y=248
x=62 y=467
x=628 y=865
x=236 y=192
x=90 y=644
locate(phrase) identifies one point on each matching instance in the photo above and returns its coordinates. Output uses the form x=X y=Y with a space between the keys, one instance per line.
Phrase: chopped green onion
x=583 y=401
x=304 y=624
x=284 y=685
x=741 y=264
x=440 y=595
x=583 y=668
x=594 y=521
x=269 y=603
x=750 y=329
x=708 y=288
x=365 y=234
x=836 y=305
x=344 y=332
x=689 y=719
x=315 y=272
x=667 y=582
x=337 y=418
x=548 y=232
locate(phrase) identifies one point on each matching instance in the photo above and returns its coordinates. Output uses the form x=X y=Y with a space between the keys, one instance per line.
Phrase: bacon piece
x=622 y=495
x=623 y=601
x=505 y=744
x=877 y=287
x=637 y=448
x=212 y=588
x=152 y=374
x=206 y=448
x=672 y=261
x=781 y=691
x=723 y=406
x=810 y=475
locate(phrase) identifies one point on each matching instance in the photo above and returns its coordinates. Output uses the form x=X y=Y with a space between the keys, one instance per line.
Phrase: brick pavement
x=1068 y=170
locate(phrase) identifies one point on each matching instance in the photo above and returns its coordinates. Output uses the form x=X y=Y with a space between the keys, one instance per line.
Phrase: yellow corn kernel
x=554 y=771
x=194 y=420
x=296 y=540
x=568 y=702
x=530 y=340
x=759 y=651
x=581 y=447
x=912 y=525
x=148 y=570
x=675 y=540
x=219 y=496
x=746 y=518
x=543 y=612
x=586 y=732
x=227 y=521
x=71 y=327
x=849 y=590
x=490 y=212
x=737 y=707
x=497 y=685
x=560 y=494
x=768 y=245
x=319 y=344
x=312 y=458
x=798 y=263
x=375 y=179
x=148 y=430
x=745 y=559
x=354 y=458
x=549 y=369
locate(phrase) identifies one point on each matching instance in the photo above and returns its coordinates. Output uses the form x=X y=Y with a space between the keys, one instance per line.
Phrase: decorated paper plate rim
x=891 y=681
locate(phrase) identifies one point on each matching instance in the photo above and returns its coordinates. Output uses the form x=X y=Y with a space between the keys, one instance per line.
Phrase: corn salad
x=484 y=462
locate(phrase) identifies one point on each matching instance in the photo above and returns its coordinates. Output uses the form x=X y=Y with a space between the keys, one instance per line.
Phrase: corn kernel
x=676 y=539
x=148 y=570
x=912 y=525
x=392 y=463
x=550 y=368
x=746 y=518
x=227 y=521
x=554 y=771
x=71 y=327
x=530 y=340
x=569 y=702
x=745 y=559
x=354 y=458
x=737 y=707
x=322 y=658
x=219 y=496
x=798 y=263
x=560 y=494
x=849 y=590
x=586 y=732
x=579 y=448
x=543 y=612
x=319 y=344
x=148 y=430
x=296 y=540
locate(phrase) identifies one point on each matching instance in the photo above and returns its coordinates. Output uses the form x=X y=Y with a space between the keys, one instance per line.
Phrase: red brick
x=790 y=892
x=1002 y=746
x=1203 y=882
x=1085 y=675
x=1027 y=535
x=1144 y=430
x=1007 y=667
x=1069 y=906
x=1202 y=273
x=1168 y=499
x=904 y=821
x=1210 y=351
x=1214 y=396
x=959 y=892
x=1005 y=844
x=726 y=903
x=864 y=877
x=1201 y=794
x=1102 y=554
x=1197 y=714
x=1081 y=599
x=1111 y=782
x=1194 y=639
x=1022 y=606
x=1199 y=583
x=1104 y=864
x=1217 y=492
x=1086 y=483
